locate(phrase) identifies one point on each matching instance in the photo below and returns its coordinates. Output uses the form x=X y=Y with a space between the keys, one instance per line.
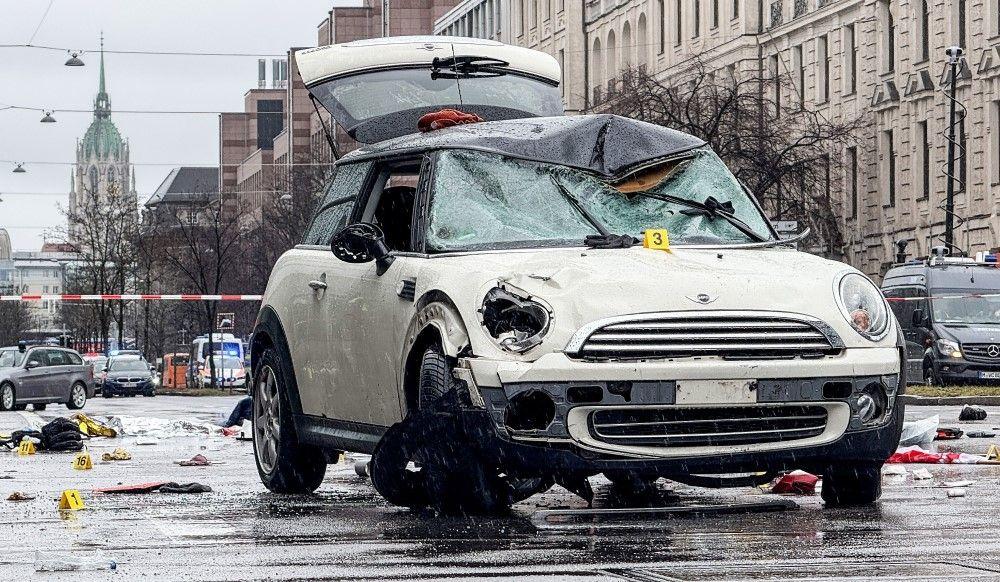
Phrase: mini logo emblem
x=993 y=351
x=703 y=298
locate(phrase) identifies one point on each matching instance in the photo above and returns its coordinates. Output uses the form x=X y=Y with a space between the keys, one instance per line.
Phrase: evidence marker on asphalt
x=26 y=448
x=82 y=461
x=71 y=499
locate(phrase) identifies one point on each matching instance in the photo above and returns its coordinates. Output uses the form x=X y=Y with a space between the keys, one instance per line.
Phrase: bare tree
x=203 y=256
x=784 y=152
x=15 y=319
x=104 y=229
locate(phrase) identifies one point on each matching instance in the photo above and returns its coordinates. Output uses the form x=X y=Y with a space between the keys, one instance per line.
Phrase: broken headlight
x=516 y=323
x=863 y=305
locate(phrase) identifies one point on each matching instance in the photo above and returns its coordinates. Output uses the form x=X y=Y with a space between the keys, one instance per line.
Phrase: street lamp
x=19 y=169
x=47 y=118
x=73 y=60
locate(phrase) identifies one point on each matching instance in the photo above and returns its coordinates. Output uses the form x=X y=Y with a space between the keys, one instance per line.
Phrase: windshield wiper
x=710 y=210
x=464 y=67
x=579 y=206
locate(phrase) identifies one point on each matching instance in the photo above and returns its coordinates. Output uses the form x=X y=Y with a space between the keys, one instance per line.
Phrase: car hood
x=970 y=334
x=583 y=285
x=117 y=375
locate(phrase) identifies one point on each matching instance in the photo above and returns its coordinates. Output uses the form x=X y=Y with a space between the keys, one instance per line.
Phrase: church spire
x=102 y=104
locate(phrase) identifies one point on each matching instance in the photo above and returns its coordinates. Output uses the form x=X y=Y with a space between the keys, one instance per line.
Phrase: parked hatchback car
x=127 y=376
x=42 y=375
x=472 y=305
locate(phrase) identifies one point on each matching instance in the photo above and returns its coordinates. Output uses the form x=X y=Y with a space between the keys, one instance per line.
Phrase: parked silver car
x=40 y=375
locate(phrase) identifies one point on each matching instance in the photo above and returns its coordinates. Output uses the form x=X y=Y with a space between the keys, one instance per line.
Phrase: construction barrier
x=112 y=297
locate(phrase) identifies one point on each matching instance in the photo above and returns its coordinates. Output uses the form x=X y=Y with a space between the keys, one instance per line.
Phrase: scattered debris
x=92 y=427
x=20 y=496
x=61 y=434
x=246 y=431
x=70 y=563
x=161 y=486
x=361 y=468
x=956 y=492
x=894 y=470
x=919 y=431
x=957 y=483
x=797 y=482
x=915 y=454
x=118 y=454
x=971 y=413
x=195 y=461
x=920 y=474
x=159 y=428
x=980 y=434
x=948 y=434
x=143 y=442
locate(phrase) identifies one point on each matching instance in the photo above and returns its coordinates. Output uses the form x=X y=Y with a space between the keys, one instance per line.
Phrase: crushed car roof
x=608 y=145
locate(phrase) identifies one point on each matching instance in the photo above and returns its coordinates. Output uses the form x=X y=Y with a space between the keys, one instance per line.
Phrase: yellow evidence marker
x=993 y=454
x=82 y=461
x=656 y=238
x=71 y=500
x=26 y=448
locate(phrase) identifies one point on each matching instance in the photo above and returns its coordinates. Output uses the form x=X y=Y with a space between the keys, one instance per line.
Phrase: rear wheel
x=852 y=484
x=284 y=465
x=77 y=396
x=7 y=398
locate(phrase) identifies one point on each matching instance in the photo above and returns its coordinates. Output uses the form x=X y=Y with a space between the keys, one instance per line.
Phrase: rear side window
x=338 y=202
x=57 y=358
x=74 y=359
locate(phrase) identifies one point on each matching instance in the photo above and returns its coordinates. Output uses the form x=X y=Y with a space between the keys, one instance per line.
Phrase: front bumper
x=958 y=370
x=118 y=389
x=573 y=442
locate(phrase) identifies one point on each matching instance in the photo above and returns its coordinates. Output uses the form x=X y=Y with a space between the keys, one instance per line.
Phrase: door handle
x=317 y=285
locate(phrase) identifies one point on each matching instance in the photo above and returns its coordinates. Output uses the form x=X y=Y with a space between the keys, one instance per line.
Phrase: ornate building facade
x=102 y=160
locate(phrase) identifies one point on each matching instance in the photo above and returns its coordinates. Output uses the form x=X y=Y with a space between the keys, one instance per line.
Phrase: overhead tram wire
x=40 y=22
x=144 y=52
x=190 y=165
x=138 y=111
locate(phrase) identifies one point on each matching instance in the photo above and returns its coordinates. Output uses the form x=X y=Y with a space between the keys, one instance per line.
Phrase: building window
x=597 y=73
x=522 y=14
x=679 y=15
x=612 y=59
x=697 y=19
x=533 y=15
x=774 y=65
x=925 y=30
x=994 y=129
x=889 y=160
x=924 y=143
x=642 y=42
x=962 y=155
x=850 y=60
x=890 y=53
x=626 y=45
x=799 y=65
x=663 y=26
x=715 y=13
x=962 y=25
x=736 y=9
x=823 y=64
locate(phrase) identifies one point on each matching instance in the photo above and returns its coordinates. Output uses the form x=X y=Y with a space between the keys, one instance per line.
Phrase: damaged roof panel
x=607 y=145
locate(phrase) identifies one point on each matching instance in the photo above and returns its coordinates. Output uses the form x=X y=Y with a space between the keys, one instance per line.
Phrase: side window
x=57 y=358
x=38 y=356
x=338 y=201
x=902 y=304
x=74 y=359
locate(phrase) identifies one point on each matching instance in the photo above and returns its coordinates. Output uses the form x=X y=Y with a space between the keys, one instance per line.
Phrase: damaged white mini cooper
x=490 y=308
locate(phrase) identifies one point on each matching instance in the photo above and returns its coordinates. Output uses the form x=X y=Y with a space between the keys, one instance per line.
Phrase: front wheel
x=284 y=465
x=77 y=397
x=851 y=484
x=7 y=399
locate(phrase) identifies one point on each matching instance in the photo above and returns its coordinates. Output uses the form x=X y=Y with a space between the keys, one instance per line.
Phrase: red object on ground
x=798 y=482
x=446 y=118
x=139 y=488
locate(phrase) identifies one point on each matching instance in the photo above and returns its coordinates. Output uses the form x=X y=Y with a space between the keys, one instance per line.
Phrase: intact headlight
x=863 y=305
x=949 y=348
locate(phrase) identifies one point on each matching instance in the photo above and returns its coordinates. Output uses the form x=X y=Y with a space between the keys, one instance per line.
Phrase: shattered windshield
x=482 y=200
x=10 y=358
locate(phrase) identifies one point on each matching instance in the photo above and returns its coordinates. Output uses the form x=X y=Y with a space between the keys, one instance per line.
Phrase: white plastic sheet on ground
x=160 y=428
x=919 y=431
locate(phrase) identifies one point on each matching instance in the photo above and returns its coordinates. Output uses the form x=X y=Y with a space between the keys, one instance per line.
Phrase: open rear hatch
x=378 y=89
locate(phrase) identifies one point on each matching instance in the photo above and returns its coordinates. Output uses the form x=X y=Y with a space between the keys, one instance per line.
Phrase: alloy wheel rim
x=79 y=397
x=8 y=397
x=266 y=427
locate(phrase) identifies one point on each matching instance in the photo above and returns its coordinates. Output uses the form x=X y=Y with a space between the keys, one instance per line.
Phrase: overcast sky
x=37 y=78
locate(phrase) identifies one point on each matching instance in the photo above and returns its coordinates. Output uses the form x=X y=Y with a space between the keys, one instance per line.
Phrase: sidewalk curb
x=913 y=400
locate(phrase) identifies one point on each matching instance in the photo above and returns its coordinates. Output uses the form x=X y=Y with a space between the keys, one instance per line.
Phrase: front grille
x=981 y=353
x=739 y=335
x=694 y=427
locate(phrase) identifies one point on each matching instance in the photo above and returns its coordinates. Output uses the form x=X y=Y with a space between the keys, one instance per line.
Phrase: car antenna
x=326 y=131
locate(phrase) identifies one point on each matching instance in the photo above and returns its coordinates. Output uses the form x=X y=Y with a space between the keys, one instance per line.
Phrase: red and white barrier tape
x=111 y=297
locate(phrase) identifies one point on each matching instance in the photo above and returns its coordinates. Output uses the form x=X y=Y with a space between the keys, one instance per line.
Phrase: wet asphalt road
x=346 y=532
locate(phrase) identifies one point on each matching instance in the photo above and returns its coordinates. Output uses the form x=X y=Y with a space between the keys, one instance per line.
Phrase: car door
x=306 y=276
x=33 y=384
x=902 y=301
x=58 y=371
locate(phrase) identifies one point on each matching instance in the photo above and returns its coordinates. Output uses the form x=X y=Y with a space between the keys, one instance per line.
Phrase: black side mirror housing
x=360 y=243
x=918 y=317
